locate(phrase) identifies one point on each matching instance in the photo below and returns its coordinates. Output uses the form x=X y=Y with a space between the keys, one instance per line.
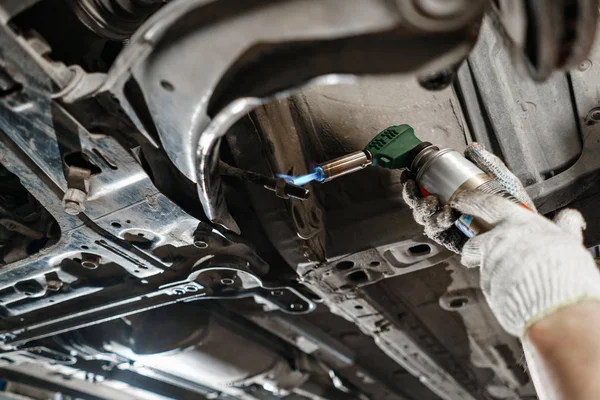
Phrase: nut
x=73 y=201
x=202 y=236
x=72 y=208
x=90 y=261
x=54 y=284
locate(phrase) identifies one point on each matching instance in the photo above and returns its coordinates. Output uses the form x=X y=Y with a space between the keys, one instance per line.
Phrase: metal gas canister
x=445 y=173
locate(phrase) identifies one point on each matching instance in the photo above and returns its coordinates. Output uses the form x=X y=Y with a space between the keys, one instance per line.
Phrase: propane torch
x=440 y=172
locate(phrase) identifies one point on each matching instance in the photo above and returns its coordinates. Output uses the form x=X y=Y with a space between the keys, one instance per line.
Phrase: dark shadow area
x=25 y=226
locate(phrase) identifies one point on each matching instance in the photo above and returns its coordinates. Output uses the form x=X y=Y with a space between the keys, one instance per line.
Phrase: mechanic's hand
x=530 y=266
x=439 y=220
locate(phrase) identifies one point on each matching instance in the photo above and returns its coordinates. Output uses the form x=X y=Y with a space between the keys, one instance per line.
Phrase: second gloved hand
x=530 y=266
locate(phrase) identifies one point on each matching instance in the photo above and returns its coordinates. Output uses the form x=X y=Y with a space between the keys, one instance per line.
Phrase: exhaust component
x=280 y=186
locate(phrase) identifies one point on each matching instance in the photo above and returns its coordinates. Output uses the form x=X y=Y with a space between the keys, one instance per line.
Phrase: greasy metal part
x=280 y=186
x=341 y=350
x=80 y=84
x=73 y=201
x=198 y=349
x=343 y=165
x=42 y=354
x=54 y=284
x=201 y=107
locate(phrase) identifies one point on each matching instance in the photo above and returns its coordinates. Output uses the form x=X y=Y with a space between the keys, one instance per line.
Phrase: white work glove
x=439 y=220
x=530 y=266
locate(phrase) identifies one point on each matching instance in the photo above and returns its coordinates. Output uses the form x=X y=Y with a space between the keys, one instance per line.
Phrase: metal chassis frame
x=37 y=132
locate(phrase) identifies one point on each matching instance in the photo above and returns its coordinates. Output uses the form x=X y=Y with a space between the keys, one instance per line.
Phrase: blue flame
x=302 y=179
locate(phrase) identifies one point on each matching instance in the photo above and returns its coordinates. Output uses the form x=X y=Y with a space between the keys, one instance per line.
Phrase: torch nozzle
x=393 y=148
x=343 y=165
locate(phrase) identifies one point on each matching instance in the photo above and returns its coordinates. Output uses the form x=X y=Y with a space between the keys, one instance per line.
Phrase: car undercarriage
x=149 y=249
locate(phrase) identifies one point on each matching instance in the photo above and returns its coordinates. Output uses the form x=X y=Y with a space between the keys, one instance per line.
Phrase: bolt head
x=54 y=284
x=73 y=201
x=72 y=208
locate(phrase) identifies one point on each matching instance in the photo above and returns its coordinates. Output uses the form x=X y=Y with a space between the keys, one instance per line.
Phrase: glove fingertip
x=471 y=253
x=409 y=193
x=445 y=218
x=469 y=260
x=571 y=221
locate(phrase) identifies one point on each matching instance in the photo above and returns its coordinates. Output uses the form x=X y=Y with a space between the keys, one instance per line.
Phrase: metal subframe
x=36 y=134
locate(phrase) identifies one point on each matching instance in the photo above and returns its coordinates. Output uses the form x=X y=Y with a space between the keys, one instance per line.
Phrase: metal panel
x=531 y=125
